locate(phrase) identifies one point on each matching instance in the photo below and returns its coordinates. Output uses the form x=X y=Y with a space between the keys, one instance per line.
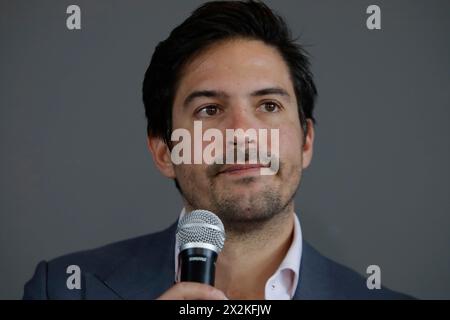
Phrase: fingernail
x=220 y=295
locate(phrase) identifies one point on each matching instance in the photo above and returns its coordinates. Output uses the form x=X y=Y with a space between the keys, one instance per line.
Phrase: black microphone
x=200 y=236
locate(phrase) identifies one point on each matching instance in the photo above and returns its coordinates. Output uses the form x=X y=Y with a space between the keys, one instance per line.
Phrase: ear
x=161 y=156
x=307 y=149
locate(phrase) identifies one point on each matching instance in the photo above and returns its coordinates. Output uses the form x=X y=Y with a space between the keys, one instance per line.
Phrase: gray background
x=76 y=174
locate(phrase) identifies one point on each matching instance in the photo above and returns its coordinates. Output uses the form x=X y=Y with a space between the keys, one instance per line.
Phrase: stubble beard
x=243 y=214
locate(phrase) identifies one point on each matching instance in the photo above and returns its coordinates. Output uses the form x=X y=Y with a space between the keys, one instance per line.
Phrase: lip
x=241 y=169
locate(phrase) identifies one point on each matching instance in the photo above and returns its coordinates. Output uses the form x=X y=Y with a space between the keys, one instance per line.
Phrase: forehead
x=235 y=66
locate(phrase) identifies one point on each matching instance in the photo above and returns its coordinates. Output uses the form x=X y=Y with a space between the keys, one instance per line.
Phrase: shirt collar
x=291 y=262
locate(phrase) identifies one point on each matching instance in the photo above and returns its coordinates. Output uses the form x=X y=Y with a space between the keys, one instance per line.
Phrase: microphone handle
x=198 y=265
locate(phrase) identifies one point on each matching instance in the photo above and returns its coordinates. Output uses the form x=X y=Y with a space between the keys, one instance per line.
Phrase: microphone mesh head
x=199 y=228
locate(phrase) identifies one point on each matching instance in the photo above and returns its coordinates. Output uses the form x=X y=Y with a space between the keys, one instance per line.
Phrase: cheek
x=291 y=146
x=191 y=176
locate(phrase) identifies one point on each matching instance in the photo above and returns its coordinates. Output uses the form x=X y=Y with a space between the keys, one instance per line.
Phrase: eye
x=270 y=106
x=208 y=111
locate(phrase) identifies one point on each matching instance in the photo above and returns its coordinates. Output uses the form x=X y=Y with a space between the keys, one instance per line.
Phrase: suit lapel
x=96 y=289
x=314 y=278
x=145 y=274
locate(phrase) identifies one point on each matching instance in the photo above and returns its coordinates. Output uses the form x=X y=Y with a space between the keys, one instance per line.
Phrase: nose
x=243 y=117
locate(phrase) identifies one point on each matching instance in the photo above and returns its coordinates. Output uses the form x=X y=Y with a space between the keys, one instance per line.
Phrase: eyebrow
x=204 y=93
x=271 y=91
x=221 y=94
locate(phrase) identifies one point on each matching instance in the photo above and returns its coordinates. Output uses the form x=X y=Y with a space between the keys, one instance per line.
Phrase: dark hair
x=210 y=23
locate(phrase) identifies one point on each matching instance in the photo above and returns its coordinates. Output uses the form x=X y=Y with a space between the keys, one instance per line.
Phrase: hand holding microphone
x=201 y=237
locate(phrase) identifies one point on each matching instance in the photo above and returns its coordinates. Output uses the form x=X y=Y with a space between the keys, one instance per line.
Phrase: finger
x=192 y=291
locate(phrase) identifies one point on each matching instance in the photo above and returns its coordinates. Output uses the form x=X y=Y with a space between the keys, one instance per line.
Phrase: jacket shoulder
x=346 y=283
x=50 y=277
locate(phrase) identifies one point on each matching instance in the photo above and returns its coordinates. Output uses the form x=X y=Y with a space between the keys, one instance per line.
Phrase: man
x=230 y=65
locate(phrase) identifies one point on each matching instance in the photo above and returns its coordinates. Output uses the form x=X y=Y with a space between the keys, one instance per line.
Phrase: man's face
x=239 y=70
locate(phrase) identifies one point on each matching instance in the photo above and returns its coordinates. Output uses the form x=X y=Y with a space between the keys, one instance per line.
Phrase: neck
x=249 y=258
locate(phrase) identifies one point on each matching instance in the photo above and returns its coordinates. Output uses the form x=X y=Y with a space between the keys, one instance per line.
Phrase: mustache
x=220 y=163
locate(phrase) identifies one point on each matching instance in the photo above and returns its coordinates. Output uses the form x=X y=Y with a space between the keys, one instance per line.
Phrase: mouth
x=241 y=169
